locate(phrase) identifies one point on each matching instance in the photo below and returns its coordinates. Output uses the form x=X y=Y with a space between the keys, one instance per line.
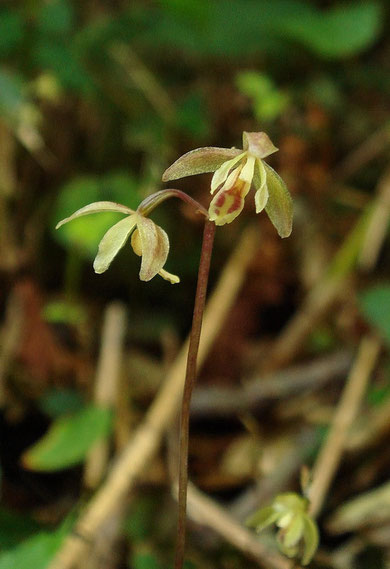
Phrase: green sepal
x=96 y=207
x=199 y=161
x=311 y=539
x=279 y=205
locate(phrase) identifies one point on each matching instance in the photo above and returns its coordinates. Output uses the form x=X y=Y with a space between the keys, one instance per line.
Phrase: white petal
x=261 y=195
x=222 y=173
x=248 y=169
x=96 y=207
x=112 y=242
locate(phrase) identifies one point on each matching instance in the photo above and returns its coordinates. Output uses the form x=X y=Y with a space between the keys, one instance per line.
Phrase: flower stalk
x=200 y=299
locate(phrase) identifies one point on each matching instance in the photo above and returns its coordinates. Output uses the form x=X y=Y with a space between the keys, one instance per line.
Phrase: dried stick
x=378 y=226
x=330 y=455
x=225 y=401
x=106 y=385
x=206 y=512
x=145 y=442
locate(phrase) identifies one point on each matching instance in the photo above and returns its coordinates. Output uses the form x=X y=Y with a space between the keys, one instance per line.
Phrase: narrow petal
x=261 y=195
x=112 y=242
x=199 y=161
x=222 y=173
x=228 y=203
x=258 y=143
x=96 y=207
x=155 y=247
x=279 y=206
x=247 y=171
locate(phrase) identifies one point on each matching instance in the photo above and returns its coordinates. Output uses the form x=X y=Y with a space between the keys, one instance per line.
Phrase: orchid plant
x=236 y=171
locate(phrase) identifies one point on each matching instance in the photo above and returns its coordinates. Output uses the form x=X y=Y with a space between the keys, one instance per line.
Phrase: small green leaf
x=15 y=528
x=279 y=205
x=375 y=305
x=311 y=539
x=68 y=440
x=199 y=161
x=35 y=552
x=341 y=31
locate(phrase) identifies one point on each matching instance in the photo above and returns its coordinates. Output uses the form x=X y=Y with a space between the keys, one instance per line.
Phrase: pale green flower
x=148 y=240
x=298 y=533
x=235 y=172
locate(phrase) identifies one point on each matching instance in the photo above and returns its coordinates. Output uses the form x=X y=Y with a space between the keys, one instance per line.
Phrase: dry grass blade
x=331 y=453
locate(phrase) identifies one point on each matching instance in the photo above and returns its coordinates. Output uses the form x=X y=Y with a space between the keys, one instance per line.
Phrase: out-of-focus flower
x=298 y=533
x=148 y=240
x=235 y=172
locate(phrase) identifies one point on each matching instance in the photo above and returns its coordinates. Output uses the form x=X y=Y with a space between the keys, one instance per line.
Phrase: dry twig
x=106 y=385
x=330 y=454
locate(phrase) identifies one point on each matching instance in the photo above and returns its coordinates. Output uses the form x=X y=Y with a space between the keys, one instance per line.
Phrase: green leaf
x=35 y=552
x=341 y=31
x=279 y=205
x=199 y=161
x=375 y=305
x=268 y=101
x=68 y=440
x=14 y=528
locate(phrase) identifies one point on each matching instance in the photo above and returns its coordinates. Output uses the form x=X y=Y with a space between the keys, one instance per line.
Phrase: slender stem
x=152 y=201
x=200 y=298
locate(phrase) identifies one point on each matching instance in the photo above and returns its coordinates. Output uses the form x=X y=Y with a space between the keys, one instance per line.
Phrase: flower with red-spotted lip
x=148 y=240
x=235 y=172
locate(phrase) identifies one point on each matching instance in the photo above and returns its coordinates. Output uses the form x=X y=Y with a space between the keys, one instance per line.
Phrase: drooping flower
x=148 y=240
x=235 y=172
x=298 y=533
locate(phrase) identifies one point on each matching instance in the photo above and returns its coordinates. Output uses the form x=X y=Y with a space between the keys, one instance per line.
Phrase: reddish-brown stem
x=152 y=201
x=200 y=298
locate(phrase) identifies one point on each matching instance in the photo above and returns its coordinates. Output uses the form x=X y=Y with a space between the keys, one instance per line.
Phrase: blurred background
x=97 y=98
